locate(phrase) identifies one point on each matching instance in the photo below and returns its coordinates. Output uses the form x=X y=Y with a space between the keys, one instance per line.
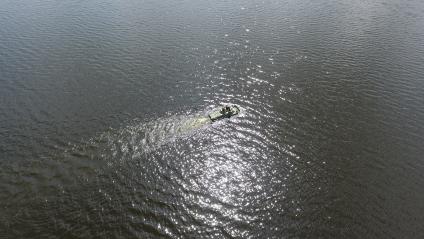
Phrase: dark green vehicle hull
x=224 y=112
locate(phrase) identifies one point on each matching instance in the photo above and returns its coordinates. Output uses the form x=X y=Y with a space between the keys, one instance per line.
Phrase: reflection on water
x=103 y=128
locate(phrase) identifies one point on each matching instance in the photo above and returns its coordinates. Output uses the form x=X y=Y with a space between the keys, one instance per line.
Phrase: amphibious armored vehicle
x=223 y=112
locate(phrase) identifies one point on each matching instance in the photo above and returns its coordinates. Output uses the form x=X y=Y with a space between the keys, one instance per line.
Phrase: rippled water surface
x=100 y=102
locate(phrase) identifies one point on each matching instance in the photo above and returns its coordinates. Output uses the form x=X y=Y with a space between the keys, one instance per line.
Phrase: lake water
x=329 y=142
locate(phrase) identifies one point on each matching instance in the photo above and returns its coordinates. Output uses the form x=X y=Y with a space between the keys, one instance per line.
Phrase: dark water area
x=329 y=142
